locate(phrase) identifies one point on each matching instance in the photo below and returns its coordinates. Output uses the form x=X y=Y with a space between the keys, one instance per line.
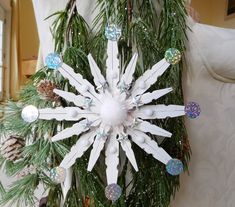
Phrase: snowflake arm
x=159 y=111
x=67 y=113
x=98 y=77
x=66 y=185
x=112 y=64
x=98 y=146
x=126 y=146
x=77 y=151
x=147 y=97
x=149 y=146
x=78 y=100
x=145 y=126
x=144 y=82
x=112 y=158
x=82 y=85
x=76 y=129
x=128 y=75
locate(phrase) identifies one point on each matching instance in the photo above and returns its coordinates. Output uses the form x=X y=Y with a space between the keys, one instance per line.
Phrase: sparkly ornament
x=30 y=113
x=87 y=124
x=192 y=110
x=45 y=90
x=11 y=148
x=174 y=167
x=53 y=61
x=136 y=101
x=58 y=174
x=113 y=32
x=102 y=134
x=172 y=56
x=123 y=136
x=123 y=87
x=113 y=121
x=113 y=192
x=87 y=103
x=102 y=87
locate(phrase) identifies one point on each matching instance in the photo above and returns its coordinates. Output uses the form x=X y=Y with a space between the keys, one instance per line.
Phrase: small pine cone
x=11 y=148
x=45 y=90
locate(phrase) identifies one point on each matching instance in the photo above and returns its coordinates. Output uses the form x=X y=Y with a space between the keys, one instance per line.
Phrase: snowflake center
x=113 y=112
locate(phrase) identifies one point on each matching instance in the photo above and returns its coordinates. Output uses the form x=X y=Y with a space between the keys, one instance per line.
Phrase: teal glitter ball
x=113 y=32
x=113 y=192
x=58 y=174
x=53 y=61
x=173 y=56
x=174 y=167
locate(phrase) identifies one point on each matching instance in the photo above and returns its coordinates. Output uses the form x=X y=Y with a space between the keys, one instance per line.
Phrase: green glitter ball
x=172 y=56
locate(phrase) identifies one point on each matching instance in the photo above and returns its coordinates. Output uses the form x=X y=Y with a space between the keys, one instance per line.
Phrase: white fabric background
x=208 y=80
x=42 y=10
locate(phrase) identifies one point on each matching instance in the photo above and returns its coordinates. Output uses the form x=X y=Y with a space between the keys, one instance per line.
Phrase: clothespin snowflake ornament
x=113 y=117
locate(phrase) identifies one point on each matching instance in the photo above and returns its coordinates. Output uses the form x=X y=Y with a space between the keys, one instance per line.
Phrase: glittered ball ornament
x=113 y=192
x=113 y=32
x=30 y=113
x=174 y=167
x=58 y=174
x=192 y=110
x=173 y=56
x=53 y=61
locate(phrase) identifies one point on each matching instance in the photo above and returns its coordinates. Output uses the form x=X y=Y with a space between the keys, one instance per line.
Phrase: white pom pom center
x=113 y=112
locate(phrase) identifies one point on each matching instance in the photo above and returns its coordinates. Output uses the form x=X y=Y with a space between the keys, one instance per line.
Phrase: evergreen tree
x=149 y=27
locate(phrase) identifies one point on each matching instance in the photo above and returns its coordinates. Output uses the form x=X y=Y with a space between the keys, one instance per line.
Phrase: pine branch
x=22 y=192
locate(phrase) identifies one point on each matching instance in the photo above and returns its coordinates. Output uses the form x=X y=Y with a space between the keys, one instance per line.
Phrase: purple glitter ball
x=113 y=192
x=192 y=110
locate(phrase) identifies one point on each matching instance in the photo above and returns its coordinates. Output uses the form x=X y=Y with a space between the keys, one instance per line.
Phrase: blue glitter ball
x=113 y=192
x=174 y=167
x=192 y=110
x=53 y=61
x=113 y=32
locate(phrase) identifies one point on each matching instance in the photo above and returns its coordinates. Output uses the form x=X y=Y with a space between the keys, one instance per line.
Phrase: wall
x=28 y=31
x=6 y=5
x=29 y=41
x=213 y=12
